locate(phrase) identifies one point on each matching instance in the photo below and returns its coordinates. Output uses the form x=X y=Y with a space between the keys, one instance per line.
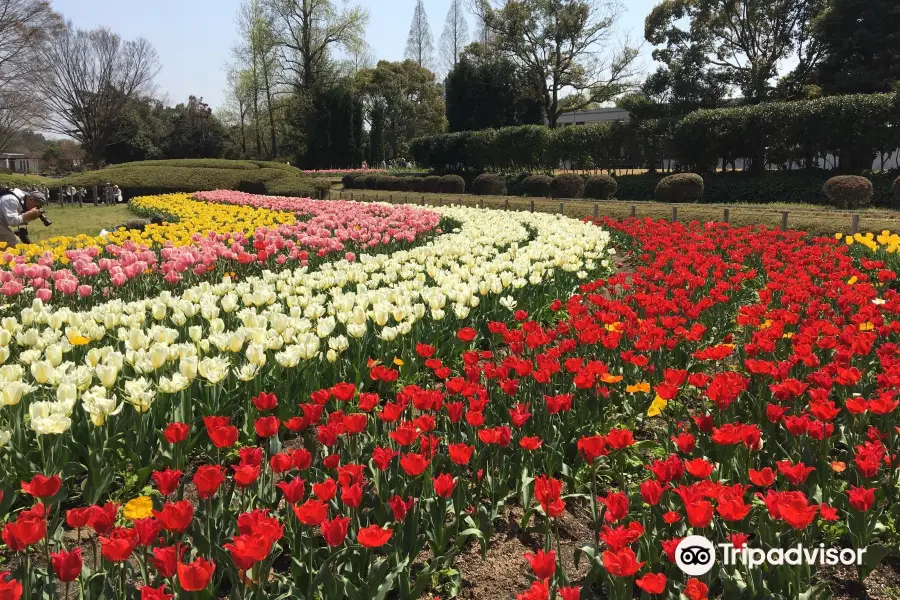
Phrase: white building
x=596 y=115
x=20 y=163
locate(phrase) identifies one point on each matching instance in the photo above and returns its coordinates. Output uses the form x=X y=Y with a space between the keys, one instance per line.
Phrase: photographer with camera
x=17 y=209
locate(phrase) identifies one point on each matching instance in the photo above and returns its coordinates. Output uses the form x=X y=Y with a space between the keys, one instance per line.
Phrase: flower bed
x=734 y=383
x=227 y=232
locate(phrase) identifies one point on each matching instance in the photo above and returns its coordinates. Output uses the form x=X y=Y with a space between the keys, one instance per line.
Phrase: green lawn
x=72 y=220
x=819 y=220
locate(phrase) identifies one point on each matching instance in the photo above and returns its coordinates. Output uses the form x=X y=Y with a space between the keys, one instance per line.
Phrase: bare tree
x=455 y=35
x=420 y=44
x=568 y=46
x=308 y=30
x=91 y=77
x=24 y=29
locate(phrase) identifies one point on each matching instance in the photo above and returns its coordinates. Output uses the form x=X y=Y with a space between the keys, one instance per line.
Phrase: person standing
x=17 y=209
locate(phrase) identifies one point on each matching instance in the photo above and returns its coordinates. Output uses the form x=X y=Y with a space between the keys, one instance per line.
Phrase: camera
x=47 y=222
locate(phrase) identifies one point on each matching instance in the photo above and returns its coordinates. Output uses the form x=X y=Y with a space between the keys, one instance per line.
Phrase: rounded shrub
x=386 y=182
x=359 y=182
x=600 y=187
x=415 y=184
x=347 y=181
x=489 y=184
x=896 y=187
x=452 y=184
x=372 y=181
x=252 y=187
x=537 y=186
x=567 y=185
x=681 y=187
x=431 y=184
x=848 y=191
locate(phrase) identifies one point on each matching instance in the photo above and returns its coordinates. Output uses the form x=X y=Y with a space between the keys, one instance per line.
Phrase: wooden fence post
x=481 y=202
x=340 y=194
x=674 y=214
x=351 y=196
x=422 y=201
x=633 y=210
x=596 y=209
x=96 y=197
x=725 y=216
x=506 y=203
x=854 y=226
x=784 y=219
x=562 y=208
x=532 y=205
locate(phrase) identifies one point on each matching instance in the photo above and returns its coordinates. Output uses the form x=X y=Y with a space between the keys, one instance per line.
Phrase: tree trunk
x=271 y=110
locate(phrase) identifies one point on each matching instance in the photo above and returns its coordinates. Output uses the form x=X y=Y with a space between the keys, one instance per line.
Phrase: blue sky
x=194 y=37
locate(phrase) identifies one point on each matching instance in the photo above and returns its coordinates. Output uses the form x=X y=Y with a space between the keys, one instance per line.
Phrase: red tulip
x=620 y=439
x=149 y=593
x=373 y=536
x=24 y=532
x=167 y=481
x=444 y=485
x=312 y=512
x=539 y=590
x=592 y=448
x=265 y=401
x=67 y=565
x=325 y=490
x=165 y=559
x=413 y=464
x=267 y=427
x=622 y=563
x=195 y=576
x=335 y=530
x=569 y=593
x=9 y=589
x=343 y=392
x=293 y=491
x=224 y=436
x=247 y=550
x=147 y=531
x=461 y=454
x=78 y=517
x=176 y=517
x=543 y=564
x=119 y=545
x=616 y=506
x=696 y=589
x=652 y=583
x=207 y=480
x=466 y=334
x=41 y=486
x=351 y=495
x=102 y=519
x=861 y=498
x=176 y=433
x=399 y=507
x=245 y=475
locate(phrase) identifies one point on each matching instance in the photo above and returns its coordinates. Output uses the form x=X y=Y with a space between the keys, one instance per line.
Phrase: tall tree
x=404 y=101
x=419 y=43
x=861 y=46
x=194 y=132
x=455 y=35
x=91 y=77
x=746 y=39
x=485 y=90
x=566 y=44
x=24 y=29
x=308 y=30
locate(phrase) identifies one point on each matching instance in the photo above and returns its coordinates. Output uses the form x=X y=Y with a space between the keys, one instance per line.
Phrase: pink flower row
x=327 y=228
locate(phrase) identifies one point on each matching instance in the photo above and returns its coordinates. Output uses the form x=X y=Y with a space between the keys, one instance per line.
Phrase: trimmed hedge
x=848 y=191
x=415 y=184
x=600 y=187
x=489 y=184
x=347 y=180
x=537 y=186
x=853 y=128
x=194 y=175
x=452 y=184
x=568 y=185
x=681 y=187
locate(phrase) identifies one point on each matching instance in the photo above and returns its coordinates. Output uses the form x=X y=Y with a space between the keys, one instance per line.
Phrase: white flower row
x=159 y=345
